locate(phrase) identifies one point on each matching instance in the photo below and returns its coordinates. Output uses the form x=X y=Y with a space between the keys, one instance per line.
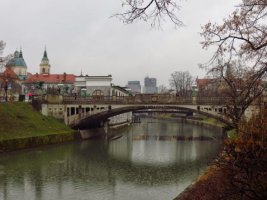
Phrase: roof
x=95 y=77
x=122 y=89
x=51 y=78
x=133 y=82
x=45 y=60
x=203 y=82
x=17 y=61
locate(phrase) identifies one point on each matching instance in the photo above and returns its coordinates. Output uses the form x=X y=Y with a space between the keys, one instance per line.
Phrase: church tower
x=18 y=65
x=45 y=66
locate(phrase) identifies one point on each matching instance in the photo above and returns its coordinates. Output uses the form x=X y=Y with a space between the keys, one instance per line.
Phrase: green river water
x=147 y=162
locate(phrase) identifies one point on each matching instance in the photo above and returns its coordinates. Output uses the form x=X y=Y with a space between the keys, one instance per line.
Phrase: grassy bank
x=21 y=127
x=213 y=121
x=200 y=120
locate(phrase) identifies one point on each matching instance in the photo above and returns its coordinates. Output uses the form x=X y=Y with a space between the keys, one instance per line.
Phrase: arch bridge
x=80 y=113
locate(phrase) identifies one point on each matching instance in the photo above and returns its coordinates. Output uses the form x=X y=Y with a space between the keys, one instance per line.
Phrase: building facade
x=119 y=91
x=45 y=82
x=150 y=85
x=44 y=65
x=135 y=87
x=93 y=85
x=18 y=65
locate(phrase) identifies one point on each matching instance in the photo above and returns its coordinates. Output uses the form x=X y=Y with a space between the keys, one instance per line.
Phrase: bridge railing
x=146 y=99
x=212 y=100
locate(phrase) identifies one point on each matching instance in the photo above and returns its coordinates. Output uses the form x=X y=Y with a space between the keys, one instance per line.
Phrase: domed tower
x=45 y=66
x=18 y=65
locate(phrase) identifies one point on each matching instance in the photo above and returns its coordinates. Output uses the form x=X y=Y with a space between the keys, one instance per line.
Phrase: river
x=147 y=162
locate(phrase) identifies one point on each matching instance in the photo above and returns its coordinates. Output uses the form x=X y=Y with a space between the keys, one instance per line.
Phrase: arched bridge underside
x=101 y=116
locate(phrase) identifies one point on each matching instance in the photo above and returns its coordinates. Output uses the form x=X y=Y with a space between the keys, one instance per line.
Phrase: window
x=98 y=93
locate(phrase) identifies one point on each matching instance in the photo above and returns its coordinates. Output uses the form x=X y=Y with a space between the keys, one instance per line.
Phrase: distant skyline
x=80 y=36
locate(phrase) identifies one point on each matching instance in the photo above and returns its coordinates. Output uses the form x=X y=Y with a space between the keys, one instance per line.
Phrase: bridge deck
x=156 y=99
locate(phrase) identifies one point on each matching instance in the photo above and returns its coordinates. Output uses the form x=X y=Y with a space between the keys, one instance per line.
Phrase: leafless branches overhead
x=154 y=11
x=242 y=34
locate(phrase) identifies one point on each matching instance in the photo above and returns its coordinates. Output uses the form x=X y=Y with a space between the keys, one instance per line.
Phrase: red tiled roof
x=51 y=78
x=203 y=82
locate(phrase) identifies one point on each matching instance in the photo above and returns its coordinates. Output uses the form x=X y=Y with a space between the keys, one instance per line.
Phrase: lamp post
x=60 y=86
x=6 y=88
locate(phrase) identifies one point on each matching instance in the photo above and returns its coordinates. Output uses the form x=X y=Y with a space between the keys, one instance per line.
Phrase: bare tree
x=3 y=60
x=2 y=47
x=154 y=10
x=243 y=160
x=162 y=89
x=241 y=86
x=181 y=82
x=242 y=34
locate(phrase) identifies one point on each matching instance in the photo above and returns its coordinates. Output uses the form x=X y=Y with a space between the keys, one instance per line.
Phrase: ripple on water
x=57 y=162
x=2 y=172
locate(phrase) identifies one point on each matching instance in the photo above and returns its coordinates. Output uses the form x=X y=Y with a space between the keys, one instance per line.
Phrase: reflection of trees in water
x=93 y=163
x=171 y=127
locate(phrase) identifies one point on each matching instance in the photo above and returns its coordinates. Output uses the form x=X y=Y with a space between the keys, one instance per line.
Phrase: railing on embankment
x=145 y=99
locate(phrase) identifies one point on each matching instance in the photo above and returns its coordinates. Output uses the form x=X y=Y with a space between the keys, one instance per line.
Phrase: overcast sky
x=80 y=35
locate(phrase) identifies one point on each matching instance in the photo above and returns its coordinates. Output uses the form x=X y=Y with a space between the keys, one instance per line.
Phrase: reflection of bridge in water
x=81 y=168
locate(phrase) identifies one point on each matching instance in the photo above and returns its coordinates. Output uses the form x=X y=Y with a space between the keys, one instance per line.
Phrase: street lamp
x=6 y=88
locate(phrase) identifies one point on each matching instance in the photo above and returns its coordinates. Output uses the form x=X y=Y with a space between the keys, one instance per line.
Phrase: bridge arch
x=113 y=111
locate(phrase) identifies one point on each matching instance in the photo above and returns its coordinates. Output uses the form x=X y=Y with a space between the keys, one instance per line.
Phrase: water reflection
x=118 y=169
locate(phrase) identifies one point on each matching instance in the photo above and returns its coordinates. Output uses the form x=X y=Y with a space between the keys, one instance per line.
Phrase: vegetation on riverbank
x=240 y=172
x=213 y=121
x=22 y=127
x=202 y=119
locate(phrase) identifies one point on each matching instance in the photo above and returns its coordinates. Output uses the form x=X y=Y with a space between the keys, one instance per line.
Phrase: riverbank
x=22 y=127
x=204 y=122
x=211 y=184
x=239 y=172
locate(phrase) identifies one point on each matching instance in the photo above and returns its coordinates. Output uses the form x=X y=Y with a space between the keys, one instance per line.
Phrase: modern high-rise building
x=135 y=86
x=150 y=85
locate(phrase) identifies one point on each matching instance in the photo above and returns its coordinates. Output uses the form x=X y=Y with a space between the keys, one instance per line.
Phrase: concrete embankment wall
x=200 y=123
x=204 y=125
x=37 y=141
x=30 y=142
x=108 y=132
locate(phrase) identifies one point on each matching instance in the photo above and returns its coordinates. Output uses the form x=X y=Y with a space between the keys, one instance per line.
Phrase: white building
x=119 y=91
x=93 y=85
